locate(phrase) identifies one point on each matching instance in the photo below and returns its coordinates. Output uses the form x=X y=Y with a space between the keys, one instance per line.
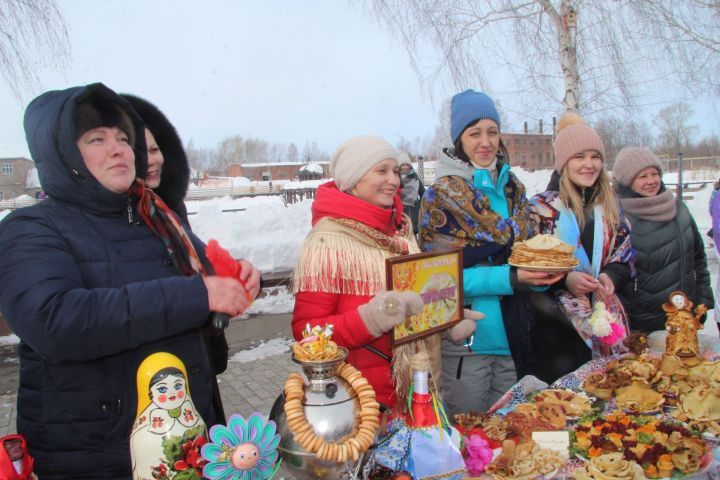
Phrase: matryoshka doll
x=168 y=431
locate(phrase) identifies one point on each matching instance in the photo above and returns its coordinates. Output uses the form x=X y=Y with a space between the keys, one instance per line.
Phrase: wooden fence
x=295 y=195
x=249 y=191
x=288 y=196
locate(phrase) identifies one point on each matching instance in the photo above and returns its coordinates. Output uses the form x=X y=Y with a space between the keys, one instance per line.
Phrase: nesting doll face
x=169 y=393
x=678 y=301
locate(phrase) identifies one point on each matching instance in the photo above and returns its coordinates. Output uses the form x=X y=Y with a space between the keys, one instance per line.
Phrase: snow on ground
x=267 y=232
x=272 y=347
x=276 y=301
x=11 y=339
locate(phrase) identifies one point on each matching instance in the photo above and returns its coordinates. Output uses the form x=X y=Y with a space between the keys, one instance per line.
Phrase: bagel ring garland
x=353 y=446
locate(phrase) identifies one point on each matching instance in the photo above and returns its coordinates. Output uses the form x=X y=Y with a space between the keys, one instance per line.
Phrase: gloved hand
x=465 y=327
x=387 y=309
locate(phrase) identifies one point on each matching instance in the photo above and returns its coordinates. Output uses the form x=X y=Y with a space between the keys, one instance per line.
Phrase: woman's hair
x=502 y=154
x=164 y=373
x=604 y=196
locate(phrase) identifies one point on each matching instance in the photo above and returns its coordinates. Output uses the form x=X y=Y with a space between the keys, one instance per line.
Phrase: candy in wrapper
x=316 y=344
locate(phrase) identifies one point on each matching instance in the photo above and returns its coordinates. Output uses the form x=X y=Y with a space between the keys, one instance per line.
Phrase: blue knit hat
x=467 y=107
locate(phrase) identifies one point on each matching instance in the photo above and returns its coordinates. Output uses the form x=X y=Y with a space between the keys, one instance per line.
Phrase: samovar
x=331 y=410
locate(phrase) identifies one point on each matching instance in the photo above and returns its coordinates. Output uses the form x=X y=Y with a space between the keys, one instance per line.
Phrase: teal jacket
x=483 y=285
x=466 y=204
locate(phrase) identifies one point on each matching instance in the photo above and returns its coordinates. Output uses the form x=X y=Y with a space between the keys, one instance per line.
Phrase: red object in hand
x=223 y=263
x=14 y=448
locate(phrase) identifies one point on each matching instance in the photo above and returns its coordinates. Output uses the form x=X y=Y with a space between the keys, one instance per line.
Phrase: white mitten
x=465 y=327
x=387 y=309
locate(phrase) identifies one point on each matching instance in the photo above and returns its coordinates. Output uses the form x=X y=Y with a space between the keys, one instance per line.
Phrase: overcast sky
x=281 y=70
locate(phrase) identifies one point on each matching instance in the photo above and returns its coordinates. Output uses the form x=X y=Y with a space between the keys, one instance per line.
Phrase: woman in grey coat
x=670 y=251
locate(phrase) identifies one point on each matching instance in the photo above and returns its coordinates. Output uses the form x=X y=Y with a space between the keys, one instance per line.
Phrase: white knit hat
x=355 y=157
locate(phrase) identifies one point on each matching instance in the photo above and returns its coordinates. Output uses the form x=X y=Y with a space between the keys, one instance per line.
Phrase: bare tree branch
x=33 y=34
x=617 y=51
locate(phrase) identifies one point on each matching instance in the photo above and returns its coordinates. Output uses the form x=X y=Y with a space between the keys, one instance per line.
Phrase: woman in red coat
x=340 y=276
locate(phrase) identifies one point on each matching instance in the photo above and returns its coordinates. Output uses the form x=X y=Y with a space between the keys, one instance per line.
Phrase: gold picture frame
x=437 y=278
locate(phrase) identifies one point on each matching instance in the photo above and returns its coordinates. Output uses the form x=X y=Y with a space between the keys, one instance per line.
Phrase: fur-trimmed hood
x=176 y=170
x=52 y=139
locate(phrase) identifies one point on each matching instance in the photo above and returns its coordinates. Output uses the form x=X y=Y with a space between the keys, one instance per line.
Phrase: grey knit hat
x=632 y=160
x=355 y=157
x=403 y=159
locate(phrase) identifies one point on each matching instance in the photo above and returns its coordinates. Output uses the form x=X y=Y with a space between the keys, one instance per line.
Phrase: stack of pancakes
x=543 y=251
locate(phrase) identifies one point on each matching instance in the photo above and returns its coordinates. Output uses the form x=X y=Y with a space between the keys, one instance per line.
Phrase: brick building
x=13 y=177
x=530 y=151
x=270 y=171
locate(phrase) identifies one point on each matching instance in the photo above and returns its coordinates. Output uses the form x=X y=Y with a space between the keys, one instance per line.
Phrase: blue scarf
x=569 y=232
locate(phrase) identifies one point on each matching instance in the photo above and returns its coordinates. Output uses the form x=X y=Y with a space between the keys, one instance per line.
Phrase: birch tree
x=607 y=58
x=33 y=34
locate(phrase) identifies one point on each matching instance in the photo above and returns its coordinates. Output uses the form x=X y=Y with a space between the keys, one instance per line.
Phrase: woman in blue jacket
x=100 y=275
x=477 y=203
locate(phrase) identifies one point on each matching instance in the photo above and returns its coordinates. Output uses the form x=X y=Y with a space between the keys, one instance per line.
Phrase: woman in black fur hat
x=168 y=169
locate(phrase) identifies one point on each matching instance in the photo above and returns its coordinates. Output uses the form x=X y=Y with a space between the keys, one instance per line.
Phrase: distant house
x=530 y=150
x=273 y=171
x=14 y=178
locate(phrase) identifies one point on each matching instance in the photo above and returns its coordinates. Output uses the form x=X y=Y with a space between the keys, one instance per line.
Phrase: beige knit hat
x=574 y=136
x=632 y=160
x=355 y=157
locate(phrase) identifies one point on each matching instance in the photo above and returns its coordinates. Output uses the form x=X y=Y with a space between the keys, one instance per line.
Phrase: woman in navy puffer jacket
x=96 y=278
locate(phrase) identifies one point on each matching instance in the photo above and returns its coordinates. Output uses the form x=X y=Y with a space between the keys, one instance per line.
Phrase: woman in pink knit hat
x=671 y=254
x=580 y=208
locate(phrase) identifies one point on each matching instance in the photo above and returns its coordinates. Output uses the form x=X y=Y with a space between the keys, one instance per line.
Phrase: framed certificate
x=437 y=278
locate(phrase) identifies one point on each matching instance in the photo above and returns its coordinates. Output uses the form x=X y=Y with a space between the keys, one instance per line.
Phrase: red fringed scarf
x=331 y=202
x=383 y=225
x=166 y=225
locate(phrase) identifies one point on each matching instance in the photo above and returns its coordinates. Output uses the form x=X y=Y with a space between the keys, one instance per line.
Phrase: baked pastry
x=543 y=251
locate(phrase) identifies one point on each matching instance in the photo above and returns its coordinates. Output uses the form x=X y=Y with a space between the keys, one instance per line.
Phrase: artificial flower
x=478 y=454
x=244 y=450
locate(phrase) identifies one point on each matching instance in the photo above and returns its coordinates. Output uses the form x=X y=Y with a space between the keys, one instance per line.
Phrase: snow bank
x=267 y=232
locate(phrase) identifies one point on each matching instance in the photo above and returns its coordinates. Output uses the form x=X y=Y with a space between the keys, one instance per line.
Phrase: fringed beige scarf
x=337 y=257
